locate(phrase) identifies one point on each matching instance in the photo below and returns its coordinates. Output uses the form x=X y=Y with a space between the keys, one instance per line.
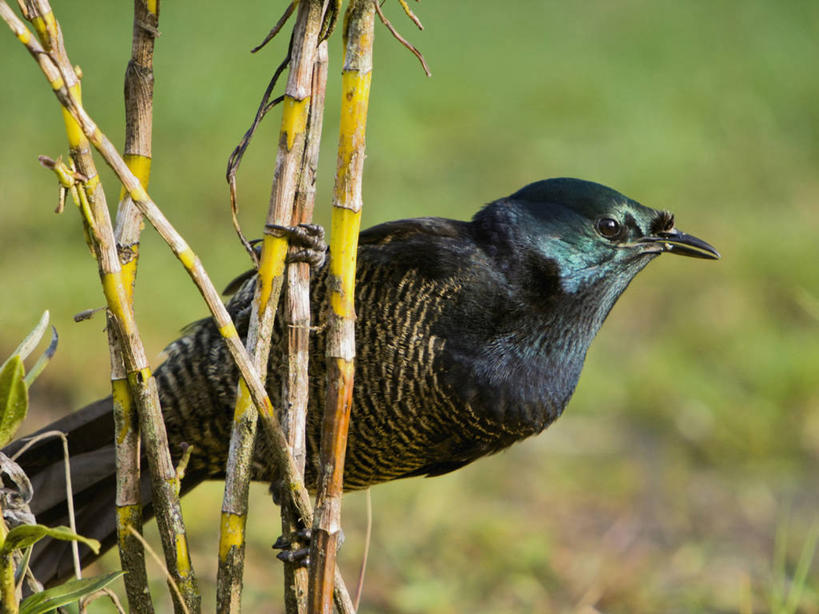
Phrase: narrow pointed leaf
x=28 y=344
x=26 y=535
x=13 y=398
x=43 y=360
x=71 y=591
x=21 y=567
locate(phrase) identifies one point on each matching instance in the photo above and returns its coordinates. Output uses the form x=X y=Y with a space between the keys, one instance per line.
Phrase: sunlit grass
x=788 y=591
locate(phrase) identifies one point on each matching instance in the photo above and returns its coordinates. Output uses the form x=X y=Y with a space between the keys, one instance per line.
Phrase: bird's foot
x=306 y=242
x=295 y=549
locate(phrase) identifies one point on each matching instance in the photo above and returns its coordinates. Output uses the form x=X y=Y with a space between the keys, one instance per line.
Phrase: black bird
x=470 y=336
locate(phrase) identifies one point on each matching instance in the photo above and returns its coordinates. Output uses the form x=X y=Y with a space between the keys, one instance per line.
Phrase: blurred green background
x=683 y=476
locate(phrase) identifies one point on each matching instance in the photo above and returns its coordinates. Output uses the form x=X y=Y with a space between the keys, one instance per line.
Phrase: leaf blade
x=29 y=534
x=71 y=591
x=13 y=398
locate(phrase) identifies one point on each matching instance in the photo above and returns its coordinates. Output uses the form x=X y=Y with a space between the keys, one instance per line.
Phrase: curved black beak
x=676 y=242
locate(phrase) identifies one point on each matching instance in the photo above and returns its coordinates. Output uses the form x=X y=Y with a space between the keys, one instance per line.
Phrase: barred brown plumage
x=395 y=361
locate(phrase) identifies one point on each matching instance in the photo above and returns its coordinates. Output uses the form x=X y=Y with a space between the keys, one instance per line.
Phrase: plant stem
x=270 y=279
x=297 y=317
x=139 y=88
x=346 y=220
x=54 y=62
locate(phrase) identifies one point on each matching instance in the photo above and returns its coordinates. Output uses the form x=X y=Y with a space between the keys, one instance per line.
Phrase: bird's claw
x=306 y=242
x=298 y=555
x=299 y=558
x=301 y=535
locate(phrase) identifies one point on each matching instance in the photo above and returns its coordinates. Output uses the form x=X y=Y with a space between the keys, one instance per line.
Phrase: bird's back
x=417 y=280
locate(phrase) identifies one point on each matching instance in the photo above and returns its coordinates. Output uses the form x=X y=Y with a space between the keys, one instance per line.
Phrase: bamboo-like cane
x=61 y=75
x=139 y=87
x=292 y=484
x=297 y=318
x=266 y=298
x=346 y=220
x=190 y=261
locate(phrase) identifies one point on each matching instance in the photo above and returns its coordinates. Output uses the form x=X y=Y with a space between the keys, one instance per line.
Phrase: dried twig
x=277 y=28
x=235 y=158
x=158 y=561
x=400 y=38
x=367 y=538
x=410 y=14
x=69 y=491
x=103 y=592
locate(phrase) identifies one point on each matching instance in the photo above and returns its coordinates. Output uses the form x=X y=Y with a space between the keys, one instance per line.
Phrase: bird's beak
x=676 y=242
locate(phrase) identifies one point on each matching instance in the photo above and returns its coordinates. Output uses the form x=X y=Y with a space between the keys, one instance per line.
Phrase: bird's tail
x=90 y=434
x=196 y=382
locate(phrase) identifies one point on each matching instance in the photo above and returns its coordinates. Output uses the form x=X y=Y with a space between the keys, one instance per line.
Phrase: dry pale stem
x=297 y=318
x=139 y=87
x=277 y=28
x=400 y=38
x=346 y=220
x=266 y=298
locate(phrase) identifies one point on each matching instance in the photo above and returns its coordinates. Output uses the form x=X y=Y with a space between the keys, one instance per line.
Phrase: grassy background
x=688 y=456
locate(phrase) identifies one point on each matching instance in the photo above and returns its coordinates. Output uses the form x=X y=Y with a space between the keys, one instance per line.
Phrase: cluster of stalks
x=138 y=417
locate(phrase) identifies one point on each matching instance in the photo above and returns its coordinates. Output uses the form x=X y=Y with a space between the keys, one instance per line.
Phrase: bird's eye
x=608 y=227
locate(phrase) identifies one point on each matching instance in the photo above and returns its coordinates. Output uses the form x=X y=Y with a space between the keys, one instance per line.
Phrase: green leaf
x=31 y=341
x=28 y=534
x=13 y=398
x=800 y=576
x=44 y=358
x=71 y=591
x=22 y=565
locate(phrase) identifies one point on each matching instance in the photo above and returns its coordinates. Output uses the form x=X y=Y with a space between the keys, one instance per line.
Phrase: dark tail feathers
x=90 y=434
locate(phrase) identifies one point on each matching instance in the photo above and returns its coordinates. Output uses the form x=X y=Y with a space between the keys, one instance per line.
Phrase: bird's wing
x=434 y=469
x=401 y=230
x=377 y=235
x=454 y=452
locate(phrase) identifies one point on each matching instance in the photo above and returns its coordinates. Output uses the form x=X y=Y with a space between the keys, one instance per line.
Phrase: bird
x=470 y=336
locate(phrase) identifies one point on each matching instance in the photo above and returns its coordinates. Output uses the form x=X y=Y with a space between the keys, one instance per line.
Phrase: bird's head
x=585 y=232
